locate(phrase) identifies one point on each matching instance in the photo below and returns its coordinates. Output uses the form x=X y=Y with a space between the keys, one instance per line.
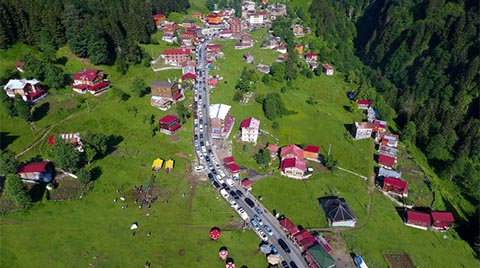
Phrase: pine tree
x=16 y=190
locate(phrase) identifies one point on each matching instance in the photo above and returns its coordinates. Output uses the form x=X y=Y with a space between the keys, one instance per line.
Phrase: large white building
x=221 y=122
x=250 y=127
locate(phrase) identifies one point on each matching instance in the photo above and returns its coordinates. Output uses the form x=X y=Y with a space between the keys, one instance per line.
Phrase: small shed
x=157 y=164
x=418 y=219
x=442 y=220
x=327 y=69
x=247 y=184
x=169 y=165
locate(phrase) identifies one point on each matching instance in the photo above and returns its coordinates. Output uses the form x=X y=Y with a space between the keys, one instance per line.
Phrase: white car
x=199 y=168
x=233 y=203
x=262 y=235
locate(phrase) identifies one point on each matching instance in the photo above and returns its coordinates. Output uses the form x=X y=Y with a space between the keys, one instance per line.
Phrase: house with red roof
x=293 y=168
x=214 y=49
x=286 y=224
x=311 y=152
x=169 y=124
x=29 y=89
x=291 y=151
x=229 y=160
x=297 y=30
x=213 y=19
x=92 y=81
x=282 y=48
x=363 y=104
x=379 y=126
x=247 y=184
x=273 y=149
x=327 y=69
x=236 y=25
x=304 y=239
x=158 y=19
x=233 y=168
x=36 y=171
x=176 y=56
x=395 y=186
x=311 y=57
x=387 y=161
x=442 y=220
x=71 y=138
x=250 y=128
x=388 y=139
x=213 y=82
x=362 y=130
x=417 y=219
x=189 y=76
x=164 y=93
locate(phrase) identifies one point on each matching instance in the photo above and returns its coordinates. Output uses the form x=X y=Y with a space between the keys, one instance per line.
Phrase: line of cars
x=216 y=174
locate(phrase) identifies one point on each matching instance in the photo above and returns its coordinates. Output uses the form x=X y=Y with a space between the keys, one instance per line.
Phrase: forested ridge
x=103 y=31
x=422 y=59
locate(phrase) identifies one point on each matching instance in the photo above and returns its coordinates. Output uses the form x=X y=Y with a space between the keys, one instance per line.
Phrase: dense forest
x=422 y=59
x=104 y=31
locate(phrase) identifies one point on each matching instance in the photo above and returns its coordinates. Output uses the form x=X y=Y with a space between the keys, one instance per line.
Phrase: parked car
x=257 y=218
x=249 y=202
x=293 y=264
x=255 y=225
x=285 y=264
x=258 y=210
x=284 y=246
x=262 y=235
x=268 y=229
x=239 y=193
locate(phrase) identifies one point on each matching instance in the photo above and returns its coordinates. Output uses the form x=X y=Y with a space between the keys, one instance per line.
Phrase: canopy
x=169 y=164
x=223 y=254
x=265 y=248
x=134 y=226
x=273 y=259
x=215 y=233
x=157 y=163
x=230 y=265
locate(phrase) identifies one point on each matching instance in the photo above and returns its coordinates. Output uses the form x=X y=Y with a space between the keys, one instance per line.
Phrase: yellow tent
x=169 y=164
x=157 y=164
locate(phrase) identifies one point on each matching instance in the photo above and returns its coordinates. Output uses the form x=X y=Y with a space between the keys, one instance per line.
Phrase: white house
x=255 y=19
x=250 y=127
x=362 y=130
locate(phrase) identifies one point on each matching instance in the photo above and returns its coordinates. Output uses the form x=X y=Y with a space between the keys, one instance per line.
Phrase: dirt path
x=48 y=129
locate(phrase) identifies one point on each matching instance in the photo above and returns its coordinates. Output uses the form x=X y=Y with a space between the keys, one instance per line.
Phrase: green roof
x=321 y=256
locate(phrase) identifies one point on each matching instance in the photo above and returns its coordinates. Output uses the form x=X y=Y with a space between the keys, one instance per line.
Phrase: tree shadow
x=95 y=173
x=40 y=111
x=113 y=142
x=347 y=108
x=465 y=228
x=401 y=212
x=6 y=139
x=67 y=79
x=348 y=127
x=37 y=192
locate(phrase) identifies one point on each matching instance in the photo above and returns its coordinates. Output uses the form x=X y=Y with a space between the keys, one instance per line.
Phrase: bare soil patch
x=399 y=260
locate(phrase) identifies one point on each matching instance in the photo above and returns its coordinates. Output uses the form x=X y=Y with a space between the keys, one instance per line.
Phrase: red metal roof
x=175 y=127
x=307 y=242
x=189 y=75
x=273 y=148
x=234 y=168
x=312 y=149
x=176 y=51
x=386 y=160
x=51 y=140
x=99 y=86
x=364 y=102
x=293 y=163
x=229 y=160
x=89 y=75
x=177 y=96
x=327 y=66
x=286 y=223
x=310 y=55
x=292 y=149
x=168 y=119
x=395 y=182
x=293 y=230
x=247 y=183
x=33 y=167
x=32 y=95
x=442 y=216
x=418 y=216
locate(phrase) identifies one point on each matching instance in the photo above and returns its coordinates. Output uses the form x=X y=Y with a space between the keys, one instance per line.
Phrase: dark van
x=249 y=202
x=284 y=245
